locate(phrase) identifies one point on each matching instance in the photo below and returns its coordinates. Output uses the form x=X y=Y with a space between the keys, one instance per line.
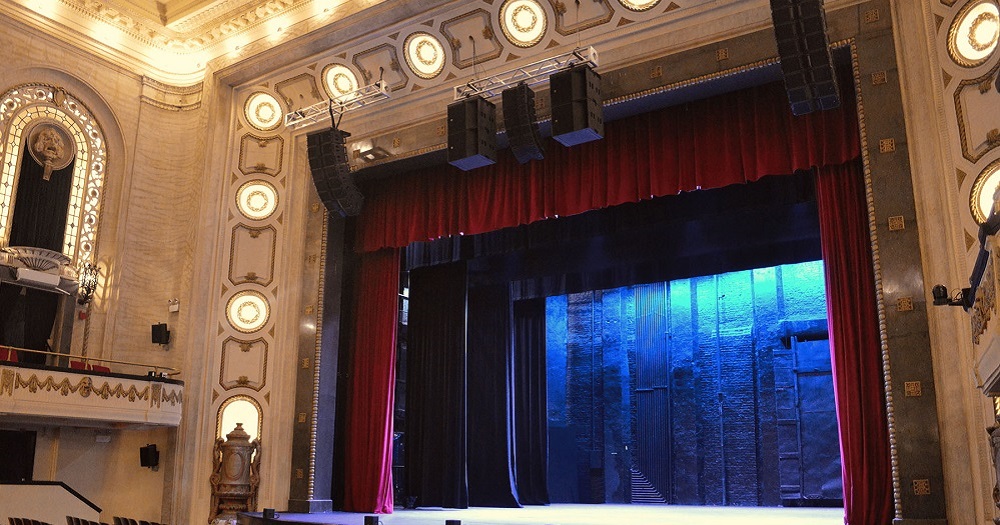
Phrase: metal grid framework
x=531 y=74
x=320 y=111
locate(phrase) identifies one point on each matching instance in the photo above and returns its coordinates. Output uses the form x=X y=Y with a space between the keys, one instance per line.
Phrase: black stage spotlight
x=332 y=173
x=804 y=50
x=941 y=298
x=472 y=133
x=577 y=106
x=519 y=119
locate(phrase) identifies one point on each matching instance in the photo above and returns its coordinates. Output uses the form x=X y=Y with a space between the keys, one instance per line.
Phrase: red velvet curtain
x=729 y=139
x=372 y=379
x=855 y=345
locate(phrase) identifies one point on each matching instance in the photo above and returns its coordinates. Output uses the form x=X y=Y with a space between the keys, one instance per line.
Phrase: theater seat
x=78 y=365
x=100 y=368
x=8 y=354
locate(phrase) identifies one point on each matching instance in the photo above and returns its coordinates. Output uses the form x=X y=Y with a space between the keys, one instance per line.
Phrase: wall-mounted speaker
x=332 y=173
x=804 y=50
x=577 y=106
x=519 y=119
x=472 y=133
x=149 y=456
x=160 y=334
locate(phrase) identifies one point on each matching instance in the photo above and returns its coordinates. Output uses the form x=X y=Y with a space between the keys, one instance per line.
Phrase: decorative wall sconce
x=88 y=282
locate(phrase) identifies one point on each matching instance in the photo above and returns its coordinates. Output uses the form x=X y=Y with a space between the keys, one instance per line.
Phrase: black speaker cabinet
x=577 y=111
x=331 y=172
x=149 y=456
x=160 y=334
x=519 y=119
x=803 y=47
x=472 y=133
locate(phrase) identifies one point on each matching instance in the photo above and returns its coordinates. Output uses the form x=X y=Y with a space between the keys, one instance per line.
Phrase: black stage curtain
x=490 y=417
x=436 y=388
x=40 y=206
x=509 y=272
x=530 y=402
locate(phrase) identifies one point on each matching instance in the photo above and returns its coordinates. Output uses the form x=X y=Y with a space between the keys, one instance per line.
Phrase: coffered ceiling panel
x=472 y=38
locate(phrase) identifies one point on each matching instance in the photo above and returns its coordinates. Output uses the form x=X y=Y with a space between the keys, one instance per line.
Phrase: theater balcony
x=81 y=391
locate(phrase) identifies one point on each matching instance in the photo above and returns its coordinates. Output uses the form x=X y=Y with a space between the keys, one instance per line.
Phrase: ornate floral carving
x=982 y=309
x=154 y=394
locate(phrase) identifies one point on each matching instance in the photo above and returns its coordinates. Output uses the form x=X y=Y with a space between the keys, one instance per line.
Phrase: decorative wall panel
x=299 y=91
x=578 y=17
x=252 y=255
x=385 y=58
x=244 y=364
x=261 y=154
x=477 y=25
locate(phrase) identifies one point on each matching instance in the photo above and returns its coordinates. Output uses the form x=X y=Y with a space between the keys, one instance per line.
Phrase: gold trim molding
x=154 y=394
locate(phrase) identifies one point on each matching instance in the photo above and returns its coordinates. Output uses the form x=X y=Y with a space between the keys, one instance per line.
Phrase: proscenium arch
x=26 y=104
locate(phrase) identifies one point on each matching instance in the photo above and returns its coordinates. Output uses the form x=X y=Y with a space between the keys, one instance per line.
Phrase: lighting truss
x=320 y=111
x=531 y=74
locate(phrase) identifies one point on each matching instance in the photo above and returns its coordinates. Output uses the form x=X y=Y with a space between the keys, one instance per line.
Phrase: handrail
x=170 y=371
x=69 y=489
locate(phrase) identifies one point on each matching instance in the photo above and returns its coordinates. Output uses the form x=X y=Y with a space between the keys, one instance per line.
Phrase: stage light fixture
x=960 y=298
x=373 y=154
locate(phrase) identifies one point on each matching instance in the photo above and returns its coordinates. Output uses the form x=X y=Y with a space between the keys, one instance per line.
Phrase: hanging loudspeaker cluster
x=804 y=50
x=472 y=133
x=332 y=173
x=519 y=119
x=577 y=110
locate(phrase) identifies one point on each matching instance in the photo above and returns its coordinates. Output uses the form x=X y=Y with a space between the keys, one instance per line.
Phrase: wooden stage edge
x=571 y=514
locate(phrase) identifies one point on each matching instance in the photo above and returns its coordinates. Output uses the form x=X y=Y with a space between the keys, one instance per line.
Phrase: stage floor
x=565 y=514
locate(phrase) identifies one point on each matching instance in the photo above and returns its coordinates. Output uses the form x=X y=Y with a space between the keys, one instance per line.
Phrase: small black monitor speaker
x=160 y=334
x=149 y=456
x=332 y=173
x=577 y=106
x=804 y=50
x=472 y=133
x=519 y=119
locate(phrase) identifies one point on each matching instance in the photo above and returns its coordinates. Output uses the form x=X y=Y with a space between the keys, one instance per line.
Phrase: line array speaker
x=519 y=119
x=332 y=173
x=804 y=50
x=577 y=111
x=472 y=133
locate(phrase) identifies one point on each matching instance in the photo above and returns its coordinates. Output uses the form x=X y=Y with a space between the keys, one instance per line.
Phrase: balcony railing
x=82 y=388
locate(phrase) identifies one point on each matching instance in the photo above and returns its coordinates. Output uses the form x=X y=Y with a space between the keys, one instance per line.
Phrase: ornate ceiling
x=175 y=41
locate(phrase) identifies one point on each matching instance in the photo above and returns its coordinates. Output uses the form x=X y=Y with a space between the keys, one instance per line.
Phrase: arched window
x=52 y=165
x=26 y=114
x=239 y=409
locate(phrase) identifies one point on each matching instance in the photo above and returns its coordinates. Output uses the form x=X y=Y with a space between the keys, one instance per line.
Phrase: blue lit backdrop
x=712 y=390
